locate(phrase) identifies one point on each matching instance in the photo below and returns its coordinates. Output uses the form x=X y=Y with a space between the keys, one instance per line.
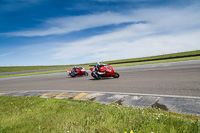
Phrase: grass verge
x=28 y=68
x=22 y=114
x=180 y=55
x=33 y=73
x=158 y=61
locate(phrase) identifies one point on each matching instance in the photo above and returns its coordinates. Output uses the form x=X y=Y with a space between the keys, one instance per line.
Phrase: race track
x=181 y=80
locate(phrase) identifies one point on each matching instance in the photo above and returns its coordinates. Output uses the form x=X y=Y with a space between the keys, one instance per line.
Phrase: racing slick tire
x=72 y=75
x=116 y=75
x=95 y=76
x=85 y=73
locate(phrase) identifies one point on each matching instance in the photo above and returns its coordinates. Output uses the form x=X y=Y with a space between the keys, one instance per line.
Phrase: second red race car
x=104 y=71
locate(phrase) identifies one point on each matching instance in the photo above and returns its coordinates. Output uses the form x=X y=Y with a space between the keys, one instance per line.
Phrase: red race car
x=77 y=71
x=104 y=71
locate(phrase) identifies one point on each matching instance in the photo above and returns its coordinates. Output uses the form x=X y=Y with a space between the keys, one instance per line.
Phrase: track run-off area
x=171 y=79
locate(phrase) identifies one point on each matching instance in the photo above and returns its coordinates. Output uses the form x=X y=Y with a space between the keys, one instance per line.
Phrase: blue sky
x=51 y=32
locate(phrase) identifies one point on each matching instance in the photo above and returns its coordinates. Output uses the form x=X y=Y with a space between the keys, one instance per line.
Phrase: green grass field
x=34 y=115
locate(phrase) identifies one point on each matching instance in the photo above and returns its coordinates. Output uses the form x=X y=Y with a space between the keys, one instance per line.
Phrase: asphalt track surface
x=177 y=80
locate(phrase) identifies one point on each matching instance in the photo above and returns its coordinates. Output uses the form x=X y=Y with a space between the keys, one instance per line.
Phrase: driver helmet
x=75 y=66
x=99 y=63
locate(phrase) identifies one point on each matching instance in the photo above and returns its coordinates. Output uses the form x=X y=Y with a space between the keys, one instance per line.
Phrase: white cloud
x=123 y=0
x=112 y=46
x=167 y=31
x=65 y=25
x=6 y=54
x=161 y=18
x=13 y=5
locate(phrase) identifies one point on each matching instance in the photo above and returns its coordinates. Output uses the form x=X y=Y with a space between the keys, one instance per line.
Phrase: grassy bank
x=156 y=62
x=33 y=73
x=22 y=114
x=28 y=68
x=181 y=54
